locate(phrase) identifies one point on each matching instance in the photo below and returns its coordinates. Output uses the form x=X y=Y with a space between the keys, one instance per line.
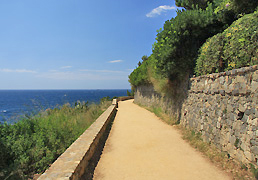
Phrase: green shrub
x=32 y=144
x=210 y=56
x=236 y=47
x=140 y=75
x=241 y=42
x=176 y=48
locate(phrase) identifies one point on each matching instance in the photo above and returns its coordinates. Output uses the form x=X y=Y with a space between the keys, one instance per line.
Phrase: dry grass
x=221 y=159
x=160 y=113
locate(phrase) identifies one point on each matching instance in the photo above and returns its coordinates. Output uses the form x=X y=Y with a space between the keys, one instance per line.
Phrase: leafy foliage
x=193 y=4
x=210 y=56
x=230 y=10
x=130 y=93
x=238 y=7
x=236 y=47
x=32 y=144
x=177 y=44
x=140 y=75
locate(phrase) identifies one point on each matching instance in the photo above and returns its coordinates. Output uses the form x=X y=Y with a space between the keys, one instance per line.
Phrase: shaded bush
x=236 y=47
x=193 y=4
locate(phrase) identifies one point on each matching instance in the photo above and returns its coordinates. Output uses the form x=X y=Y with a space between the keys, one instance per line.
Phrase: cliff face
x=223 y=107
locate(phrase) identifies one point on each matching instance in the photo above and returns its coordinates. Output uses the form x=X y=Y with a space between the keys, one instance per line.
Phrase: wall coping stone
x=233 y=72
x=73 y=163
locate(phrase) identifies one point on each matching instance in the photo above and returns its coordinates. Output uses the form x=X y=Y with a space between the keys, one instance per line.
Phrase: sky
x=76 y=44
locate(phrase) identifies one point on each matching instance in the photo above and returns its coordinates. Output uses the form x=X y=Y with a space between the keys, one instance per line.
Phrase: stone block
x=243 y=129
x=245 y=118
x=244 y=146
x=254 y=150
x=222 y=80
x=241 y=79
x=254 y=142
x=241 y=156
x=242 y=107
x=233 y=72
x=255 y=76
x=254 y=86
x=222 y=92
x=249 y=156
x=243 y=88
x=235 y=92
x=230 y=108
x=232 y=139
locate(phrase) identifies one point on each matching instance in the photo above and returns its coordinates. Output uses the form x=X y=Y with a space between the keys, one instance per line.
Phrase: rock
x=254 y=150
x=233 y=72
x=222 y=80
x=242 y=108
x=248 y=112
x=229 y=108
x=232 y=140
x=222 y=92
x=254 y=142
x=235 y=92
x=245 y=118
x=254 y=86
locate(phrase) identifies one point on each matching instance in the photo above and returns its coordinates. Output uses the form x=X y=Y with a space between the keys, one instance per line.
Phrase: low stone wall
x=125 y=98
x=223 y=107
x=147 y=96
x=78 y=160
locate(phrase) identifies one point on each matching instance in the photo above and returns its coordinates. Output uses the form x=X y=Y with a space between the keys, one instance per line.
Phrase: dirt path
x=142 y=147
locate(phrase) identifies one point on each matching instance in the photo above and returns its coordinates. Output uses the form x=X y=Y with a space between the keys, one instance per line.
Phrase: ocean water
x=16 y=103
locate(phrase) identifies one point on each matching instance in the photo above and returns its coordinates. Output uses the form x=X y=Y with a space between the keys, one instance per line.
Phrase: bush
x=177 y=45
x=140 y=75
x=236 y=47
x=32 y=144
x=210 y=56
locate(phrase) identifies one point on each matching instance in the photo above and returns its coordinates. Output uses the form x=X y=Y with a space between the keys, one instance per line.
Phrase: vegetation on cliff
x=180 y=42
x=32 y=144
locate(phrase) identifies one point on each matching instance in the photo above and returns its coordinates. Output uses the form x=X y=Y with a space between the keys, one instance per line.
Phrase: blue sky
x=76 y=44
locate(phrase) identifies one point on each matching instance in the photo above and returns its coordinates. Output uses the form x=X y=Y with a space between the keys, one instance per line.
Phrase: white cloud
x=116 y=61
x=17 y=71
x=157 y=11
x=65 y=67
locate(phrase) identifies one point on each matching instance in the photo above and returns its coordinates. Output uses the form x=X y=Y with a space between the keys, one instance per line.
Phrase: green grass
x=32 y=144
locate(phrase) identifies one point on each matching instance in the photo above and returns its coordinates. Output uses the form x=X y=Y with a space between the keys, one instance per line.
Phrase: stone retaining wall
x=79 y=160
x=223 y=107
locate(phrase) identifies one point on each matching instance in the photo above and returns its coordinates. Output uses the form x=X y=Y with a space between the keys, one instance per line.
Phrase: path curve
x=142 y=147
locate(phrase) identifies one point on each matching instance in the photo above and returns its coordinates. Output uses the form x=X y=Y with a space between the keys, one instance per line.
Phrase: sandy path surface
x=142 y=147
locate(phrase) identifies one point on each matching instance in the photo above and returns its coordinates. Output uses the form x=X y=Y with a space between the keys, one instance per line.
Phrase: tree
x=193 y=4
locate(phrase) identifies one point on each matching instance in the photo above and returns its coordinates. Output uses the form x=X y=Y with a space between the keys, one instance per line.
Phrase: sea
x=15 y=104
